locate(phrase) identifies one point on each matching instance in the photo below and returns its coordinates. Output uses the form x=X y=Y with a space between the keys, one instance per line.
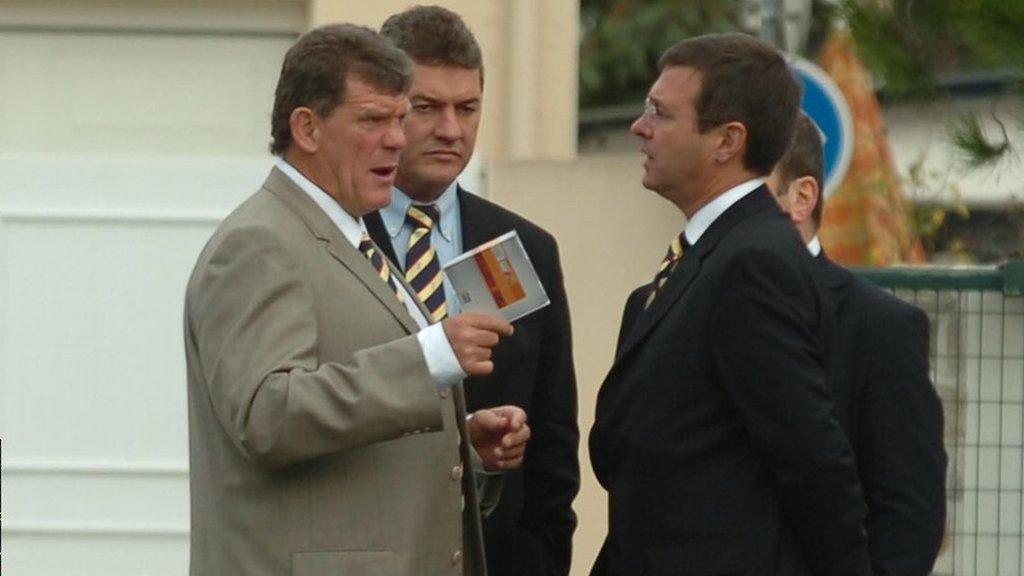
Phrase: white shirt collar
x=352 y=228
x=394 y=214
x=710 y=212
x=814 y=246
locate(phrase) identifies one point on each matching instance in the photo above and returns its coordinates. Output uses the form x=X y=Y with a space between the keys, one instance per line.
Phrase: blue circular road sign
x=824 y=103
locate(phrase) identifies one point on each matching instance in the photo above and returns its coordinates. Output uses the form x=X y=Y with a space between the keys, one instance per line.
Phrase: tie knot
x=422 y=215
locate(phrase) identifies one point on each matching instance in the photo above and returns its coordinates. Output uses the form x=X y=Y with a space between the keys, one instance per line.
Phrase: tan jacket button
x=456 y=557
x=457 y=473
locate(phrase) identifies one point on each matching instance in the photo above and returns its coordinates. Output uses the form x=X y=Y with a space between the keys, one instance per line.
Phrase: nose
x=394 y=137
x=447 y=127
x=641 y=126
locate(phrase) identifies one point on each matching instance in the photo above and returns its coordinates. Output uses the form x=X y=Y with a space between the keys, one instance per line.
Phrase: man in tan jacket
x=327 y=422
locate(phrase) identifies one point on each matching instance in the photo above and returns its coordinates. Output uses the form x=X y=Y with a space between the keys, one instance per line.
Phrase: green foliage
x=622 y=40
x=977 y=148
x=910 y=44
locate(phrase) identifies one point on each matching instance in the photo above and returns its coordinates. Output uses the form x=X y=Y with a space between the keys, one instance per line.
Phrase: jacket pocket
x=344 y=563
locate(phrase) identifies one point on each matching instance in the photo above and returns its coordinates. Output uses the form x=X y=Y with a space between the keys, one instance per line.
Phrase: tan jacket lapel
x=320 y=225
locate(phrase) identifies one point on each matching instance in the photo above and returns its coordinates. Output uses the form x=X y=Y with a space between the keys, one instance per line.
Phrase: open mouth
x=384 y=171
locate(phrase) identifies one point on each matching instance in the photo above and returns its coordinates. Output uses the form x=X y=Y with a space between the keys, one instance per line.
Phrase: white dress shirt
x=706 y=216
x=442 y=363
x=814 y=246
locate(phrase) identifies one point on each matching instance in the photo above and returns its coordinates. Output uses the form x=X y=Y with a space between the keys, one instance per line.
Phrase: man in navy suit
x=714 y=432
x=878 y=370
x=530 y=532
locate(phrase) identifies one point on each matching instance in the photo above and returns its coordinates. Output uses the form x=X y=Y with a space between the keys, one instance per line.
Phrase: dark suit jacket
x=714 y=432
x=893 y=417
x=530 y=532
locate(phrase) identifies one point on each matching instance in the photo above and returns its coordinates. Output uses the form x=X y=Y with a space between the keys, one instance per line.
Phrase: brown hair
x=742 y=80
x=316 y=69
x=804 y=157
x=434 y=36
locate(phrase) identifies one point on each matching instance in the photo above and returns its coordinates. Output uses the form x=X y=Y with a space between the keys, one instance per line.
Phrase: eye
x=467 y=109
x=422 y=107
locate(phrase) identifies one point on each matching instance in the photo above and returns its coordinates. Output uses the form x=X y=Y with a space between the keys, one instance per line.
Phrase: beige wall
x=612 y=234
x=530 y=56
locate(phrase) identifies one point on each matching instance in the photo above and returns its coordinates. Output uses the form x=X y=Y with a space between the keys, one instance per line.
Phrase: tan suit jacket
x=319 y=444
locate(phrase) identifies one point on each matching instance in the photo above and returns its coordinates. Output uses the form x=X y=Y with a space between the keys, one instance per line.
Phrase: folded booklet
x=497 y=277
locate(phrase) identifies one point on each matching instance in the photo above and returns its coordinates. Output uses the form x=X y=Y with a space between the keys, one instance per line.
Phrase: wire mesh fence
x=977 y=366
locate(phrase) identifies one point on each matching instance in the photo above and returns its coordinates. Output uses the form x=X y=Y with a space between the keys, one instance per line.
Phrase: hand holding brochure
x=497 y=277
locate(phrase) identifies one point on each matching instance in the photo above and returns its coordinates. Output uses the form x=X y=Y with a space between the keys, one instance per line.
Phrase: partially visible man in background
x=878 y=371
x=327 y=427
x=432 y=219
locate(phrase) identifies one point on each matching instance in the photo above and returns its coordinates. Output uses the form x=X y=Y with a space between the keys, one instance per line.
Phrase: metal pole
x=773 y=29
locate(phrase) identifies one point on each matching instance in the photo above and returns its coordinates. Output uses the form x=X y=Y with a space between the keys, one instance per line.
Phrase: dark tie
x=676 y=249
x=422 y=269
x=369 y=249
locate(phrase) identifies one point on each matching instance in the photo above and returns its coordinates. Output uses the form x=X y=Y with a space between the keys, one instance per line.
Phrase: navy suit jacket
x=530 y=532
x=715 y=434
x=893 y=418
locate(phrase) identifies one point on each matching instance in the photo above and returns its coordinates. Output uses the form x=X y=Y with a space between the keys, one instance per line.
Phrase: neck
x=715 y=187
x=305 y=166
x=807 y=231
x=422 y=193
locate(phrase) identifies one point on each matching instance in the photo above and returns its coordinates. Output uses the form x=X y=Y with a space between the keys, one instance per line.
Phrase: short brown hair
x=317 y=68
x=742 y=80
x=804 y=157
x=434 y=36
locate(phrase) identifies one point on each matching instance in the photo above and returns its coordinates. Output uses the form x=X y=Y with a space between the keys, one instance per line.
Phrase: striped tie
x=422 y=270
x=675 y=251
x=369 y=249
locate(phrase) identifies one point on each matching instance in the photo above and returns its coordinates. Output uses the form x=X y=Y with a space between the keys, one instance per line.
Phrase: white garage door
x=120 y=149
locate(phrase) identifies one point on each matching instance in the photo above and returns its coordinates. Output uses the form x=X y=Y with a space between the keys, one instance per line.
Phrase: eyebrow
x=432 y=100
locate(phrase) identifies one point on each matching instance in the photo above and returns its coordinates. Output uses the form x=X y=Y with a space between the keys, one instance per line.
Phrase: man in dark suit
x=878 y=370
x=714 y=431
x=430 y=220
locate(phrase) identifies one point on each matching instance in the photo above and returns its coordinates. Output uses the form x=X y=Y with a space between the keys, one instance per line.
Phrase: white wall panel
x=121 y=149
x=136 y=92
x=101 y=554
x=92 y=362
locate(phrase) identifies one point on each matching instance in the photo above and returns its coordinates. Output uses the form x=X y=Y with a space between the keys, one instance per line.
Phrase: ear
x=305 y=127
x=732 y=143
x=805 y=193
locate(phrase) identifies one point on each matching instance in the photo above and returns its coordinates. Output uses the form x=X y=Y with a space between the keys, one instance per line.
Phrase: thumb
x=489 y=420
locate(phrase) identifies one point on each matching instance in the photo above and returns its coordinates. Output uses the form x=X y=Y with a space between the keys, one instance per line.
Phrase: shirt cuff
x=442 y=364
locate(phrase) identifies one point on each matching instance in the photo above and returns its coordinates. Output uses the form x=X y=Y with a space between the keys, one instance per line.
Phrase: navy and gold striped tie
x=379 y=263
x=675 y=252
x=422 y=269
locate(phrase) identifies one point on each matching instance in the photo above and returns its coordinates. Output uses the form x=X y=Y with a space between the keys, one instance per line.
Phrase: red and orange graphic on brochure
x=497 y=277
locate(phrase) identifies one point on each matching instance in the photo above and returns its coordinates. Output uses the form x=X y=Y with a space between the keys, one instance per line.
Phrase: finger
x=491 y=323
x=516 y=416
x=514 y=452
x=479 y=368
x=517 y=438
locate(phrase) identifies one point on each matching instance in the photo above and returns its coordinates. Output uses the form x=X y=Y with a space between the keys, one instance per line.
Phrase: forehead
x=445 y=83
x=362 y=94
x=679 y=84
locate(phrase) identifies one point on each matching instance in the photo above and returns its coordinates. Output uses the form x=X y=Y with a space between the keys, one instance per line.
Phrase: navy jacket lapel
x=689 y=267
x=476 y=227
